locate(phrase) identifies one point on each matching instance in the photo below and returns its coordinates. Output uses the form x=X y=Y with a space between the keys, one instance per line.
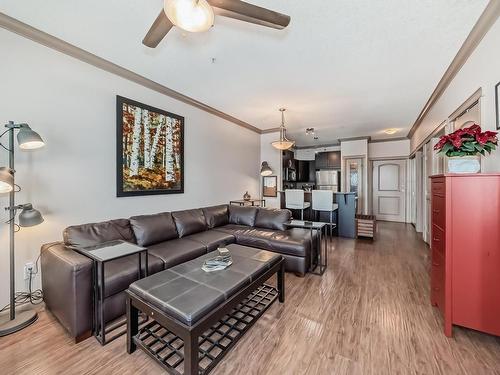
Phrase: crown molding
x=354 y=139
x=314 y=147
x=50 y=41
x=388 y=139
x=482 y=26
x=271 y=130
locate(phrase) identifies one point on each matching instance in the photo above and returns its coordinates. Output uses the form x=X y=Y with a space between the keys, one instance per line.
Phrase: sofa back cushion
x=242 y=215
x=216 y=216
x=153 y=229
x=189 y=222
x=272 y=218
x=96 y=233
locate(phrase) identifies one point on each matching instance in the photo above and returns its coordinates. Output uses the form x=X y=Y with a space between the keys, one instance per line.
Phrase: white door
x=389 y=200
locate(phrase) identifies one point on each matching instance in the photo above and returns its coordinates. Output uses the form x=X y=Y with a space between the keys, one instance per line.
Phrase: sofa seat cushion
x=97 y=233
x=189 y=222
x=233 y=228
x=177 y=251
x=294 y=241
x=151 y=229
x=212 y=239
x=120 y=273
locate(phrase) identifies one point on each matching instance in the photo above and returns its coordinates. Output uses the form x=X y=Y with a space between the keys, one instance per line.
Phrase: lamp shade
x=283 y=144
x=6 y=180
x=265 y=169
x=190 y=15
x=29 y=217
x=29 y=139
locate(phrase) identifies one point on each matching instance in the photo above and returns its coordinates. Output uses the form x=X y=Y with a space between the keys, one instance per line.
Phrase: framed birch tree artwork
x=150 y=150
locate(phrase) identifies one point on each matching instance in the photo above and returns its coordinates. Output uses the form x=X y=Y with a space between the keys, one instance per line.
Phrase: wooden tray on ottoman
x=197 y=317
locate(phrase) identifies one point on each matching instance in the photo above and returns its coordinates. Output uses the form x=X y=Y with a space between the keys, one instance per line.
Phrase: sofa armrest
x=67 y=287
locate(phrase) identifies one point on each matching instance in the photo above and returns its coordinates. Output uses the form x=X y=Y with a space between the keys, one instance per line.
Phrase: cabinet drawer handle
x=436 y=289
x=435 y=264
x=436 y=239
x=436 y=211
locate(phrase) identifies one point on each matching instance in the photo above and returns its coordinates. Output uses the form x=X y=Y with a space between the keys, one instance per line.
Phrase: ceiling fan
x=198 y=15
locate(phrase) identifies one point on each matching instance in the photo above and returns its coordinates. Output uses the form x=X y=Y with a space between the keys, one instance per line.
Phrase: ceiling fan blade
x=250 y=13
x=158 y=30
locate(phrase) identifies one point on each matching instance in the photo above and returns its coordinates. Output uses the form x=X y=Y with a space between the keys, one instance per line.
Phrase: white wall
x=72 y=180
x=390 y=149
x=273 y=157
x=480 y=71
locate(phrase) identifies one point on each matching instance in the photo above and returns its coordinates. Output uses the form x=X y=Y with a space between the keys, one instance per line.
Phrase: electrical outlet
x=28 y=267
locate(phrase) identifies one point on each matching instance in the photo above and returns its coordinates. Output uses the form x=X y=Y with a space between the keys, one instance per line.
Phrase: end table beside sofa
x=170 y=239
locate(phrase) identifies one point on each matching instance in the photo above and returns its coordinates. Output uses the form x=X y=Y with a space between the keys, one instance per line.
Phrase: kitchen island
x=344 y=217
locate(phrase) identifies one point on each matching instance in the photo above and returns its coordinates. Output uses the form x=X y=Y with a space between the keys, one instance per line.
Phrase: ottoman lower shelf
x=168 y=349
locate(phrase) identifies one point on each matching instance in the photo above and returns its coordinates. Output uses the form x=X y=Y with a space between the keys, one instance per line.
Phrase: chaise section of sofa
x=171 y=239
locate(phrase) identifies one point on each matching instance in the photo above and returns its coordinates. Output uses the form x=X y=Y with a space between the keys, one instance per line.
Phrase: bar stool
x=322 y=200
x=294 y=200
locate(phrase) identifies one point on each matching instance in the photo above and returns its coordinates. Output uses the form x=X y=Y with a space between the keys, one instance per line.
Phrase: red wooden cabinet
x=465 y=273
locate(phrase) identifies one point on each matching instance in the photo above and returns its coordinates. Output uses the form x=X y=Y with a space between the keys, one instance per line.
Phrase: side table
x=100 y=255
x=249 y=202
x=319 y=227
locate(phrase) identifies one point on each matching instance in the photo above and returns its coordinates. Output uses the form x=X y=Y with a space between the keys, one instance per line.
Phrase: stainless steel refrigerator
x=327 y=179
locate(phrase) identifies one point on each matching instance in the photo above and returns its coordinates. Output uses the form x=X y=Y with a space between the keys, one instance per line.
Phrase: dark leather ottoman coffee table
x=196 y=317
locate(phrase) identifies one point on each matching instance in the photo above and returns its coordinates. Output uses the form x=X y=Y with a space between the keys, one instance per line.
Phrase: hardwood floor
x=369 y=314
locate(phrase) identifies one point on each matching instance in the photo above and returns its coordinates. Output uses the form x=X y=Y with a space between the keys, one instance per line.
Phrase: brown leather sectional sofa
x=171 y=239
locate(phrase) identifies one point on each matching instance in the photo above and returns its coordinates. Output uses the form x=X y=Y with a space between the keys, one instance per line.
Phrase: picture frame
x=497 y=103
x=270 y=186
x=149 y=150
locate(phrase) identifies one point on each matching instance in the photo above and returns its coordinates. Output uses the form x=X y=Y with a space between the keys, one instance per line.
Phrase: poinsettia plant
x=467 y=142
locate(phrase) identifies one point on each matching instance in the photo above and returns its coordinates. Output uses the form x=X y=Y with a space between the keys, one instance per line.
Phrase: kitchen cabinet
x=328 y=160
x=321 y=160
x=302 y=171
x=288 y=160
x=333 y=159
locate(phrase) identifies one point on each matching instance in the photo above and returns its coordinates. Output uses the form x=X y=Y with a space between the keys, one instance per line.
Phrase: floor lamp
x=27 y=139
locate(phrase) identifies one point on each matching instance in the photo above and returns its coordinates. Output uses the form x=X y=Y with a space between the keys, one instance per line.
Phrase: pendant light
x=284 y=143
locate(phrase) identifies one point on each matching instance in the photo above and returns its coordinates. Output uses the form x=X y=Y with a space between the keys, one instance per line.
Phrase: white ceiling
x=345 y=67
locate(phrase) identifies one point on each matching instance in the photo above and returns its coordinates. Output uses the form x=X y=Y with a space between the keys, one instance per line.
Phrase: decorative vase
x=464 y=164
x=246 y=196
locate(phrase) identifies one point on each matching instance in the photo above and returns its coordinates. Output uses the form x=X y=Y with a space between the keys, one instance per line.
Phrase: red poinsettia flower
x=482 y=138
x=456 y=140
x=491 y=136
x=472 y=130
x=441 y=143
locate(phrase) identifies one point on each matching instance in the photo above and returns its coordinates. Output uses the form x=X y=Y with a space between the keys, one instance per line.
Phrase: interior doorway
x=389 y=190
x=354 y=180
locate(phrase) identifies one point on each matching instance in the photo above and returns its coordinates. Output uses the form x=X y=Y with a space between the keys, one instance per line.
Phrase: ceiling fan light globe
x=190 y=15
